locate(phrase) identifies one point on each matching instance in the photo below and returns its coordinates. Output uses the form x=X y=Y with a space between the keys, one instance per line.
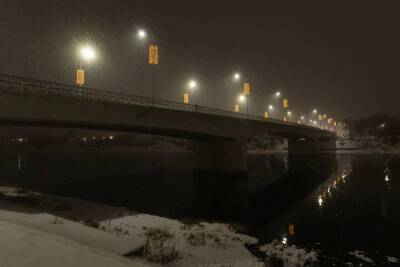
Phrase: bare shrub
x=158 y=247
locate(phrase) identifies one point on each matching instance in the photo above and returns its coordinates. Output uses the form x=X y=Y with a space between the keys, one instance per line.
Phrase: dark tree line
x=380 y=125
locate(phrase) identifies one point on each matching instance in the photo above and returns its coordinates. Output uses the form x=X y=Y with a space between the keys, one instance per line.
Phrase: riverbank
x=118 y=236
x=141 y=238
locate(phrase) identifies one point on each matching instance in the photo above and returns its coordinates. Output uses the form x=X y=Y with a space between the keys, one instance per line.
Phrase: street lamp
x=192 y=84
x=267 y=113
x=239 y=100
x=86 y=54
x=141 y=34
x=153 y=59
x=236 y=76
x=278 y=94
x=315 y=111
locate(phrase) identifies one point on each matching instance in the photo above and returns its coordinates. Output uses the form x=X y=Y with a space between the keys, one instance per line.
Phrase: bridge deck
x=21 y=85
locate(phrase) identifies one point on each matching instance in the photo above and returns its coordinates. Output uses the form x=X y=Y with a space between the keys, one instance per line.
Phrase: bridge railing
x=20 y=85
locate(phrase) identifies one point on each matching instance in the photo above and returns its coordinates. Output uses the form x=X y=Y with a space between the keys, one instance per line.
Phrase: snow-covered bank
x=142 y=237
x=25 y=246
x=198 y=244
x=289 y=256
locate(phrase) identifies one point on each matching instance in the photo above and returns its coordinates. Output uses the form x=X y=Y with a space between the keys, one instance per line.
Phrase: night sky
x=340 y=56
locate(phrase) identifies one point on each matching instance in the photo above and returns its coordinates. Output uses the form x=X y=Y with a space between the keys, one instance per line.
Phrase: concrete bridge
x=219 y=135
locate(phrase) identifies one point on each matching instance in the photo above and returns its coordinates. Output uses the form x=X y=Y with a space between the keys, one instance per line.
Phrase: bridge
x=219 y=135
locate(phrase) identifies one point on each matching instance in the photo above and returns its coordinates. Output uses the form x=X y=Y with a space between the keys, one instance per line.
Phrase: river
x=335 y=203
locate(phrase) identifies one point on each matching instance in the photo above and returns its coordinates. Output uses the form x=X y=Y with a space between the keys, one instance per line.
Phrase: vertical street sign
x=237 y=108
x=153 y=55
x=186 y=98
x=285 y=103
x=80 y=77
x=153 y=60
x=246 y=89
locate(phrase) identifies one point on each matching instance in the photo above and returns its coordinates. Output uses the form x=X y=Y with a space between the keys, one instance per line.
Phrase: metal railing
x=20 y=85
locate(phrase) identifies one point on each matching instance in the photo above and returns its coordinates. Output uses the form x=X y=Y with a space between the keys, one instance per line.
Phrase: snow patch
x=392 y=259
x=290 y=255
x=201 y=244
x=359 y=254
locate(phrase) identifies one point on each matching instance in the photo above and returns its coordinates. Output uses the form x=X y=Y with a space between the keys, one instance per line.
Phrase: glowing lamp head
x=242 y=98
x=236 y=76
x=289 y=113
x=278 y=94
x=270 y=107
x=192 y=84
x=142 y=34
x=302 y=118
x=88 y=53
x=315 y=111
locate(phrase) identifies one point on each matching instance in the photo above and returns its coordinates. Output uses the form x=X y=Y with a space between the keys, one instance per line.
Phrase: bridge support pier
x=220 y=178
x=312 y=146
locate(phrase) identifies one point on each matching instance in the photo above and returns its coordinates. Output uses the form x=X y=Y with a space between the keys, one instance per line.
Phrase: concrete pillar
x=220 y=178
x=228 y=156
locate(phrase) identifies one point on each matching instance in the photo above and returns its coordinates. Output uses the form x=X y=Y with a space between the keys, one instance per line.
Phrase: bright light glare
x=236 y=76
x=270 y=107
x=278 y=94
x=141 y=34
x=88 y=53
x=320 y=201
x=242 y=98
x=315 y=111
x=302 y=118
x=289 y=113
x=192 y=84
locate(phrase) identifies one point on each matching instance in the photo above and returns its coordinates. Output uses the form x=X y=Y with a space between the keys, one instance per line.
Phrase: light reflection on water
x=333 y=184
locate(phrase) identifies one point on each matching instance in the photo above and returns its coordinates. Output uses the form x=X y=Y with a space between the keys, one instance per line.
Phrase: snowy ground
x=145 y=240
x=25 y=246
x=60 y=231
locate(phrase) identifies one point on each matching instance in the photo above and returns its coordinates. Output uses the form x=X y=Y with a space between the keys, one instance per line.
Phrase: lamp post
x=192 y=84
x=239 y=100
x=289 y=114
x=153 y=59
x=236 y=78
x=246 y=93
x=285 y=104
x=87 y=54
x=267 y=114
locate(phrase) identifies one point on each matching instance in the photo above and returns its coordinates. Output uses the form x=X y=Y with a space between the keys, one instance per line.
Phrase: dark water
x=336 y=203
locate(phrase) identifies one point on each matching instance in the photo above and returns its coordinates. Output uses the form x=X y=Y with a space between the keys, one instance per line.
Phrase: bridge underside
x=220 y=141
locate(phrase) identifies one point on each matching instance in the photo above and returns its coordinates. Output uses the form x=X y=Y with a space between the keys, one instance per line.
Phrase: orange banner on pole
x=237 y=108
x=80 y=77
x=153 y=55
x=246 y=89
x=186 y=98
x=285 y=103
